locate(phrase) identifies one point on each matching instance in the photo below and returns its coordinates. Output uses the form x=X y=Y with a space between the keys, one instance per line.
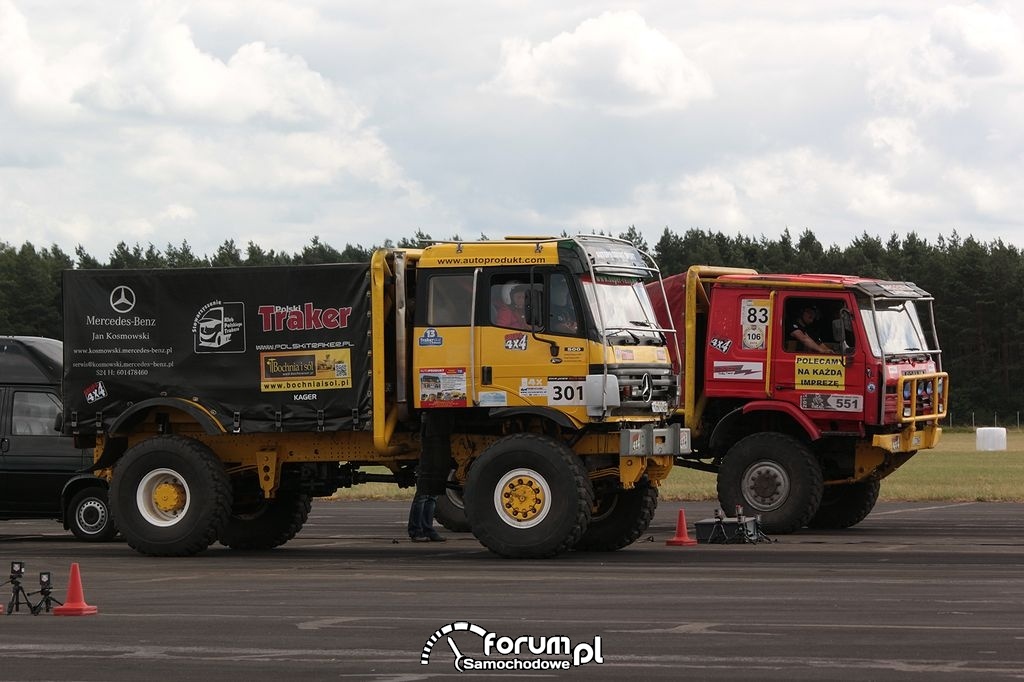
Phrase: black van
x=42 y=474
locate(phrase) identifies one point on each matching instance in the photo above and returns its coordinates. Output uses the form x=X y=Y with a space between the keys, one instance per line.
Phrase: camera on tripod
x=18 y=595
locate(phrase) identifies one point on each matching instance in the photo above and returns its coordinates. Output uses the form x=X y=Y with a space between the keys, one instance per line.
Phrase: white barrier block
x=990 y=438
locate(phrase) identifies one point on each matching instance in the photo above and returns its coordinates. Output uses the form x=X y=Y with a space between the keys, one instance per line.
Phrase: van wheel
x=266 y=524
x=621 y=517
x=89 y=517
x=845 y=505
x=528 y=497
x=774 y=475
x=170 y=496
x=451 y=509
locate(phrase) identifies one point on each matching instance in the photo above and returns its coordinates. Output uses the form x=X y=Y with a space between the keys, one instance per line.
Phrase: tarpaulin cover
x=264 y=348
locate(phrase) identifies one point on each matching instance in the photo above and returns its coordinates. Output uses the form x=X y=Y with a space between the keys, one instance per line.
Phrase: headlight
x=906 y=390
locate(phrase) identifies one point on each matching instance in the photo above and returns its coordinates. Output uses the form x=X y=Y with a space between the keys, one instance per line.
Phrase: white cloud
x=981 y=41
x=798 y=188
x=913 y=79
x=156 y=68
x=266 y=161
x=990 y=195
x=177 y=213
x=894 y=136
x=272 y=17
x=938 y=68
x=38 y=83
x=615 y=63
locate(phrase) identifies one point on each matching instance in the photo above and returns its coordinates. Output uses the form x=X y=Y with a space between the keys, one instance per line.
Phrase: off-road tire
x=620 y=518
x=845 y=505
x=773 y=475
x=528 y=497
x=451 y=508
x=176 y=463
x=267 y=523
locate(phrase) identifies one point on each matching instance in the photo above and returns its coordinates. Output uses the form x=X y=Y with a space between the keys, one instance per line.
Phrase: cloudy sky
x=277 y=120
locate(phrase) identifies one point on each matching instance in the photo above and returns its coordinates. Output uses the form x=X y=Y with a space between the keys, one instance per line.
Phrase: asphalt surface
x=916 y=591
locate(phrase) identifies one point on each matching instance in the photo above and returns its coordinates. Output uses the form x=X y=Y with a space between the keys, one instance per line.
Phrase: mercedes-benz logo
x=122 y=299
x=646 y=389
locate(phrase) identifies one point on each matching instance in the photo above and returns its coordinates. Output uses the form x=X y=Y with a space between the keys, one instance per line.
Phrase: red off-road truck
x=802 y=437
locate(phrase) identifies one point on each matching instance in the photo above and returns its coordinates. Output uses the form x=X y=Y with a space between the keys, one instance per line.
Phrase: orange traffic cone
x=74 y=603
x=682 y=538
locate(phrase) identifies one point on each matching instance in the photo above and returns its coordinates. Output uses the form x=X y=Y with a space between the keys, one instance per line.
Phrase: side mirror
x=838 y=331
x=534 y=308
x=842 y=331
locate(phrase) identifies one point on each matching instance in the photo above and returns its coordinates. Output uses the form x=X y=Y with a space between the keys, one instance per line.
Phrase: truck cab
x=804 y=391
x=552 y=328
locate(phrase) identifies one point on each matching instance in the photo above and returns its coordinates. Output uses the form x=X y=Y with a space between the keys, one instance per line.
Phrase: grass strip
x=953 y=472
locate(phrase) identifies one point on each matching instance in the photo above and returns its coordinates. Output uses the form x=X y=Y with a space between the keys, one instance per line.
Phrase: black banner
x=256 y=342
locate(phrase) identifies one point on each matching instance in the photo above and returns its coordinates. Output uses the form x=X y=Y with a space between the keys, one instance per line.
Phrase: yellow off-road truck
x=220 y=401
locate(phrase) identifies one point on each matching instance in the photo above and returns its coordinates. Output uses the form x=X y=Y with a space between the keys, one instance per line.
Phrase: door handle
x=5 y=445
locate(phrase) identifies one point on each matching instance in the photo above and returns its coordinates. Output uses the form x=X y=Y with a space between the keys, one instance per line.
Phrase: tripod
x=46 y=601
x=18 y=596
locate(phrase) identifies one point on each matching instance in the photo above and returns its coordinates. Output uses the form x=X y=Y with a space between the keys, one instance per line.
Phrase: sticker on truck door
x=831 y=402
x=443 y=387
x=565 y=390
x=820 y=371
x=560 y=391
x=753 y=371
x=755 y=313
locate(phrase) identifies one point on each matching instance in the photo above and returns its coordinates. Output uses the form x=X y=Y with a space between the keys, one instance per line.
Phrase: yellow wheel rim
x=522 y=498
x=162 y=497
x=169 y=497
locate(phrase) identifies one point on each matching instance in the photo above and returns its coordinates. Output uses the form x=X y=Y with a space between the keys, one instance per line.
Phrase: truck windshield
x=894 y=325
x=625 y=308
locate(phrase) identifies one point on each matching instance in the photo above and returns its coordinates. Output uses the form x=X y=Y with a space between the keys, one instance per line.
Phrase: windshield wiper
x=901 y=352
x=647 y=339
x=613 y=332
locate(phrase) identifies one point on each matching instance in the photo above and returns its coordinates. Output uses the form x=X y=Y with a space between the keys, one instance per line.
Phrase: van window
x=34 y=414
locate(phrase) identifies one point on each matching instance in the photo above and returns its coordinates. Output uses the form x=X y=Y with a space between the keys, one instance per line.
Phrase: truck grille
x=639 y=385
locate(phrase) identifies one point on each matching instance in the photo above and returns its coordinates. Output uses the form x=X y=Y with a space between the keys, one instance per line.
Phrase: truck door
x=531 y=342
x=442 y=351
x=736 y=348
x=827 y=386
